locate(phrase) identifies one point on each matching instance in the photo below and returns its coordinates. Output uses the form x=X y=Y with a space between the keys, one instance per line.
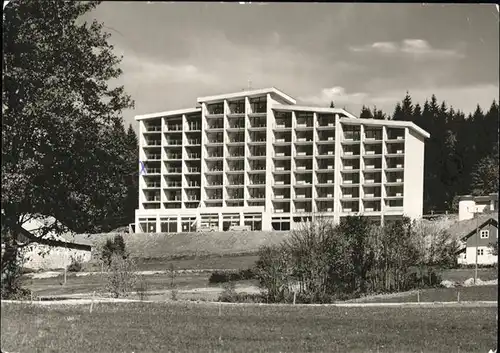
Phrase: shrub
x=113 y=247
x=142 y=288
x=228 y=276
x=121 y=277
x=76 y=265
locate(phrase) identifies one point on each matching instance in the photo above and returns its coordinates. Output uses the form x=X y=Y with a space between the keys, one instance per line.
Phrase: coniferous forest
x=461 y=156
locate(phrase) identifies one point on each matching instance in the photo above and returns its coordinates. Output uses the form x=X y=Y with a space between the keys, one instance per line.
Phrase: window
x=168 y=225
x=147 y=225
x=484 y=234
x=480 y=252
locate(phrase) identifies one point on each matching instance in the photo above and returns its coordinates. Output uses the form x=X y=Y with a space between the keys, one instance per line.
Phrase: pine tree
x=485 y=175
x=132 y=199
x=398 y=114
x=332 y=105
x=378 y=114
x=407 y=108
x=365 y=113
x=417 y=115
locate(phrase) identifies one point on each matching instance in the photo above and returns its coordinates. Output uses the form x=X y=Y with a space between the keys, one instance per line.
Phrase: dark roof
x=464 y=229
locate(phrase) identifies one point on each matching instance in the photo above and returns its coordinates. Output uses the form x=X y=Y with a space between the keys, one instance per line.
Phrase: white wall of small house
x=469 y=257
x=43 y=257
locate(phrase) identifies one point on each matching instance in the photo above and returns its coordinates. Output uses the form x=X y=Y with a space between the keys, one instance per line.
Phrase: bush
x=142 y=288
x=229 y=295
x=228 y=276
x=76 y=265
x=113 y=247
x=121 y=277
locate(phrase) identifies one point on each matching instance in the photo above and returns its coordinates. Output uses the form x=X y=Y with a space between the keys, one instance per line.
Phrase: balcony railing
x=153 y=128
x=153 y=170
x=215 y=126
x=194 y=127
x=215 y=155
x=193 y=156
x=193 y=184
x=215 y=169
x=153 y=199
x=174 y=142
x=193 y=198
x=174 y=184
x=174 y=156
x=153 y=185
x=194 y=141
x=174 y=170
x=193 y=170
x=173 y=127
x=154 y=156
x=153 y=143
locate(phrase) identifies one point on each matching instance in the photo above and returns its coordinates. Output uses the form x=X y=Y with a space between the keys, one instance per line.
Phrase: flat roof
x=241 y=94
x=304 y=108
x=390 y=123
x=168 y=113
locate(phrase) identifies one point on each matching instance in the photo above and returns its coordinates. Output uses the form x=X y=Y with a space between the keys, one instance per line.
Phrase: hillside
x=176 y=245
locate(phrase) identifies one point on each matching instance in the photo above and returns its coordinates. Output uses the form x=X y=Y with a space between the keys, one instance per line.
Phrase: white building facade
x=256 y=159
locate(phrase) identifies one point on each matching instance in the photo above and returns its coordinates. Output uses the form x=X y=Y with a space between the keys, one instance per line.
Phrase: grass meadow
x=185 y=327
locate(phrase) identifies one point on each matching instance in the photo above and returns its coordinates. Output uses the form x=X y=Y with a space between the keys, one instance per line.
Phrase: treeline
x=323 y=262
x=461 y=156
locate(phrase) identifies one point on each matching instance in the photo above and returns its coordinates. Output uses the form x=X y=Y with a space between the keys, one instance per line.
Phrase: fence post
x=294 y=296
x=418 y=296
x=458 y=296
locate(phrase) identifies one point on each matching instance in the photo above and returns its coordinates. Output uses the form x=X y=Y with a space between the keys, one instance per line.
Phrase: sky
x=353 y=54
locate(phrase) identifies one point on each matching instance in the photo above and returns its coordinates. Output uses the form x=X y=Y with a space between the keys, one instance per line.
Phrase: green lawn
x=88 y=284
x=184 y=327
x=477 y=293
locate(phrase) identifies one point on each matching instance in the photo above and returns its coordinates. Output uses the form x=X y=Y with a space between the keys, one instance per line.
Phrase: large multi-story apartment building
x=255 y=158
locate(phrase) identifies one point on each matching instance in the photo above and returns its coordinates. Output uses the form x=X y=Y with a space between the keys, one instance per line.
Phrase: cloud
x=418 y=48
x=336 y=94
x=147 y=70
x=464 y=98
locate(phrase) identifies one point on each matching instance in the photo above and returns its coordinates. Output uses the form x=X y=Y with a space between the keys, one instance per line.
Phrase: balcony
x=194 y=142
x=153 y=156
x=150 y=171
x=236 y=126
x=215 y=109
x=351 y=137
x=257 y=125
x=193 y=170
x=174 y=170
x=173 y=128
x=194 y=128
x=152 y=128
x=326 y=166
x=215 y=127
x=173 y=184
x=152 y=185
x=174 y=156
x=373 y=136
x=236 y=109
x=193 y=184
x=152 y=143
x=173 y=142
x=395 y=135
x=214 y=141
x=193 y=155
x=258 y=106
x=303 y=140
x=282 y=126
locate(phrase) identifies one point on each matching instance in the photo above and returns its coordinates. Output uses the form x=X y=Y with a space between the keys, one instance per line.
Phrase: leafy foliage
x=121 y=276
x=322 y=262
x=112 y=248
x=62 y=131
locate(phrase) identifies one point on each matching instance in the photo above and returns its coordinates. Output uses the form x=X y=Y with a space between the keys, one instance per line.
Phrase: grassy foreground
x=184 y=327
